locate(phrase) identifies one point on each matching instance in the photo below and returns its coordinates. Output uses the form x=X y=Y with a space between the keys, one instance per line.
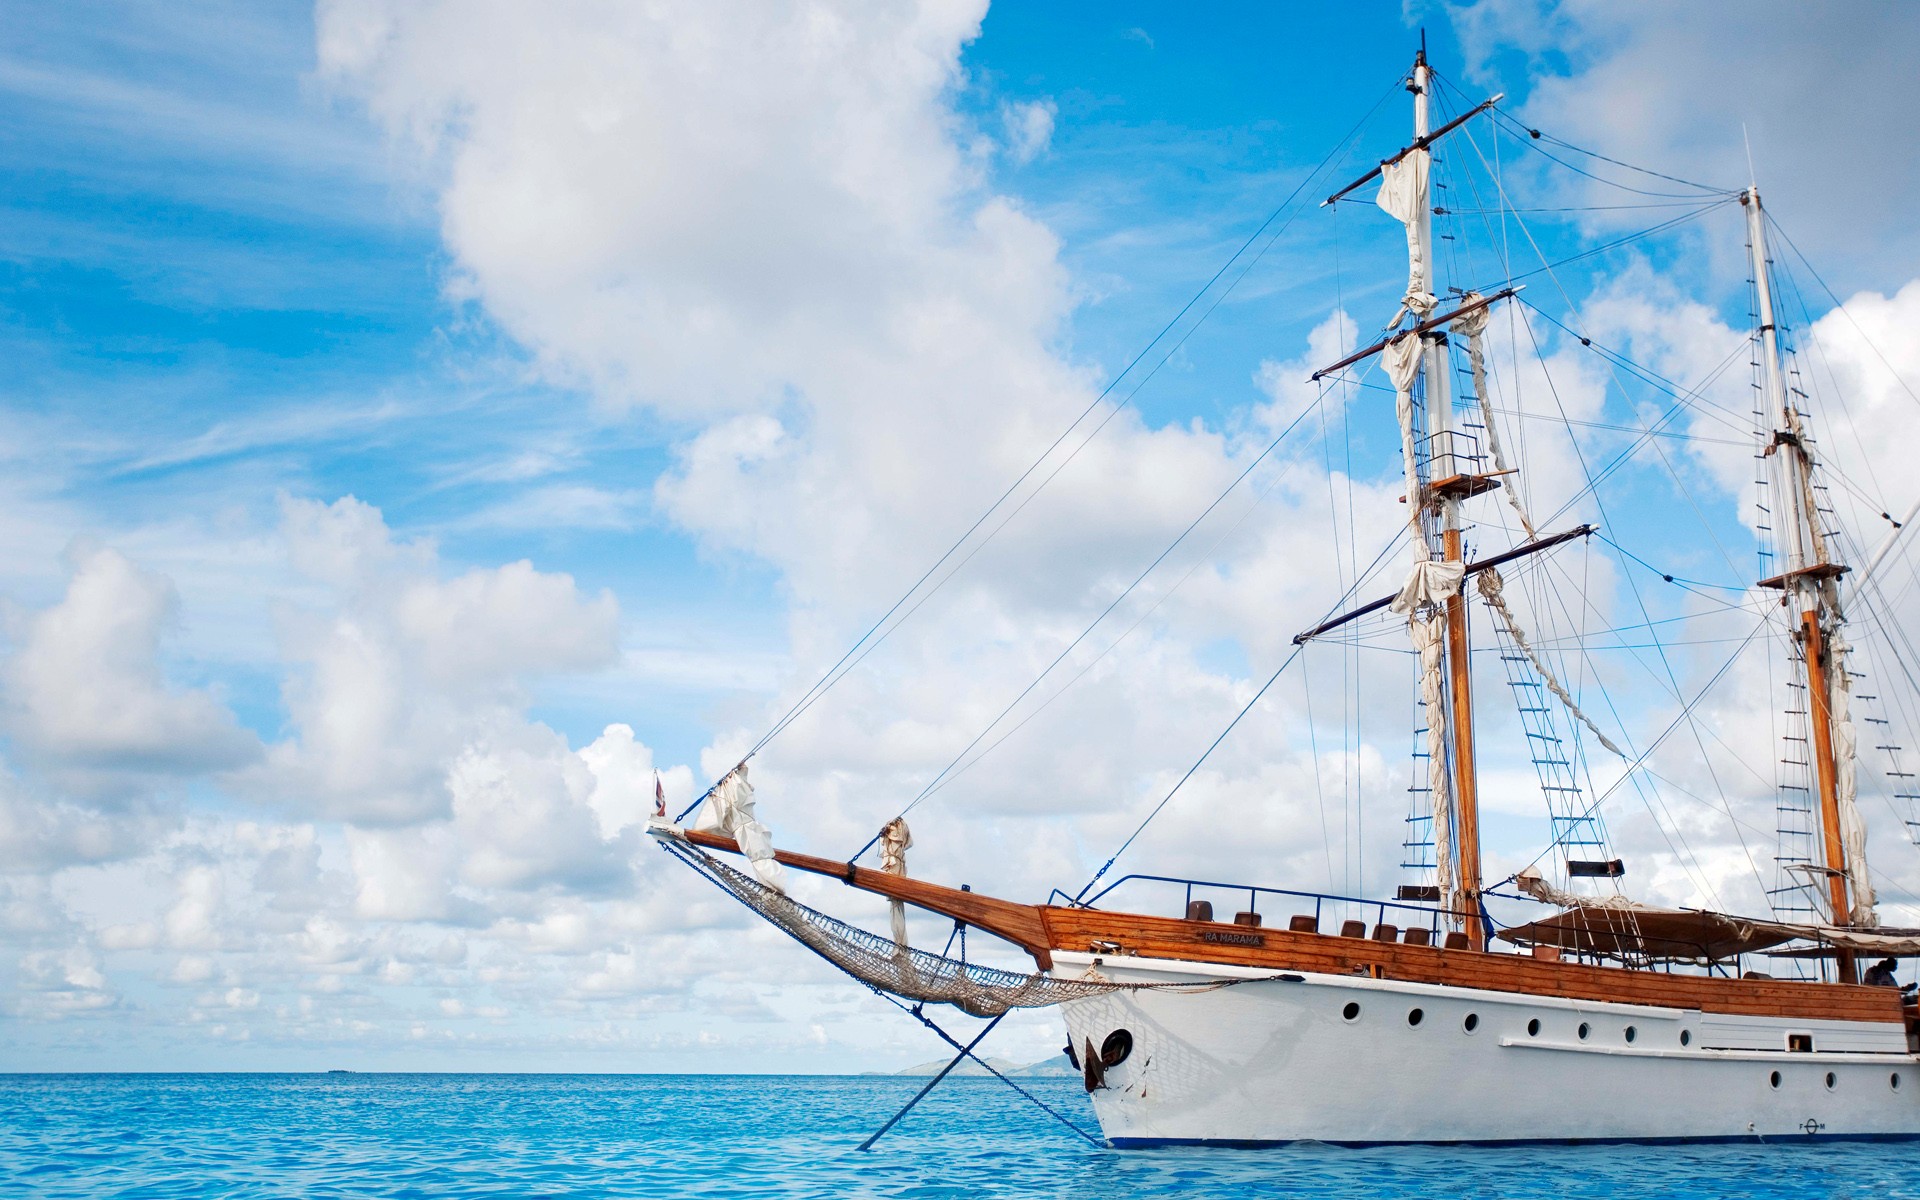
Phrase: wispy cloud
x=307 y=426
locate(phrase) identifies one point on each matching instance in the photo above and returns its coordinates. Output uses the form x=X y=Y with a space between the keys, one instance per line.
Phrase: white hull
x=1279 y=1061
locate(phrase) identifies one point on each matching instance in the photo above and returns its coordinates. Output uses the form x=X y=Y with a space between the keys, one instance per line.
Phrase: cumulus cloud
x=38 y=834
x=1680 y=88
x=56 y=984
x=406 y=667
x=858 y=391
x=598 y=155
x=86 y=691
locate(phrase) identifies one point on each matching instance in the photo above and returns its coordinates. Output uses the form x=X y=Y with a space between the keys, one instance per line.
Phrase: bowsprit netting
x=911 y=974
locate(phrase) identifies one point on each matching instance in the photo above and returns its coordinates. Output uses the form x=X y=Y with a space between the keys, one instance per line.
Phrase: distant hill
x=1057 y=1065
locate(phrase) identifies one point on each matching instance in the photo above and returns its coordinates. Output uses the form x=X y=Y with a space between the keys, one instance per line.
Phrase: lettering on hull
x=1233 y=939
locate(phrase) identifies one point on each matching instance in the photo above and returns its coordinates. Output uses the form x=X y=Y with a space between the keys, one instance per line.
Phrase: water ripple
x=153 y=1137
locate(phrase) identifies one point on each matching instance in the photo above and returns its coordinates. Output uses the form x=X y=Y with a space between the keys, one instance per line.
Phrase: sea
x=760 y=1135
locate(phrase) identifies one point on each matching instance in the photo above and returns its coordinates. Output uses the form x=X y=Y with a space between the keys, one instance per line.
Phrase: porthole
x=1115 y=1049
x=1583 y=1031
x=1831 y=1080
x=1533 y=1027
x=1773 y=1079
x=1351 y=1012
x=1893 y=1081
x=1629 y=1033
x=1472 y=1022
x=1686 y=1037
x=1415 y=1016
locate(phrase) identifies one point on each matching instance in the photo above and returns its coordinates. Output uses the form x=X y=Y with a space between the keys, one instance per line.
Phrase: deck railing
x=1329 y=909
x=1321 y=906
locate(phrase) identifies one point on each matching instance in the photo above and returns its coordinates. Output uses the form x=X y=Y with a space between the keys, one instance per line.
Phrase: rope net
x=895 y=967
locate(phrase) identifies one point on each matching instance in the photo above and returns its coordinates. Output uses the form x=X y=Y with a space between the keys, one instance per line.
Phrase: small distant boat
x=1406 y=1019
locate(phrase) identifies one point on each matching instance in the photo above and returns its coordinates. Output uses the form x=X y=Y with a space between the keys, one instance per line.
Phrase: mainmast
x=1810 y=584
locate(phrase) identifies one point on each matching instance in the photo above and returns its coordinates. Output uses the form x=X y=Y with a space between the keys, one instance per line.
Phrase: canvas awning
x=1641 y=932
x=1622 y=928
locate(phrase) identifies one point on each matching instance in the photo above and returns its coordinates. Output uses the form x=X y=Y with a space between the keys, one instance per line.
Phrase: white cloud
x=406 y=875
x=85 y=690
x=192 y=923
x=804 y=263
x=671 y=201
x=58 y=984
x=521 y=806
x=407 y=668
x=191 y=969
x=505 y=621
x=623 y=779
x=1674 y=86
x=1029 y=127
x=40 y=835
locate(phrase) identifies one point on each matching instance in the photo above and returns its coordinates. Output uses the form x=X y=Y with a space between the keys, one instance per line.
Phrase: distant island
x=1057 y=1065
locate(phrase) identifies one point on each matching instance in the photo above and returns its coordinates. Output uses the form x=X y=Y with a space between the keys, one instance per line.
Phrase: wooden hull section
x=1326 y=954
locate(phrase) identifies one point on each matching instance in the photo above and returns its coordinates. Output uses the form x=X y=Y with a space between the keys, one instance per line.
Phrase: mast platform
x=1462 y=486
x=1818 y=571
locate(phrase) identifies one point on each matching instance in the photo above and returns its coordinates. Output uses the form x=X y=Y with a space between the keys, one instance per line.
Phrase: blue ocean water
x=684 y=1135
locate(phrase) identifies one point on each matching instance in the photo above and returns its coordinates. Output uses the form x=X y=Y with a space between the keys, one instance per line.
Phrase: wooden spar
x=1820 y=717
x=1473 y=568
x=1425 y=326
x=1466 y=780
x=1419 y=143
x=1020 y=924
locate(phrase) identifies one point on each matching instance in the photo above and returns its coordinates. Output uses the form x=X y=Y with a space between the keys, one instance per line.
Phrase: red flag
x=659 y=797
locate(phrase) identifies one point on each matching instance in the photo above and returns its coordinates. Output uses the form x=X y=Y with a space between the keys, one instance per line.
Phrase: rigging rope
x=1492 y=590
x=945 y=772
x=891 y=966
x=867 y=641
x=1190 y=770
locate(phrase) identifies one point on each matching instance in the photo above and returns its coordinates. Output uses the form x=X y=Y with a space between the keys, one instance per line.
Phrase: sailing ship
x=1421 y=1018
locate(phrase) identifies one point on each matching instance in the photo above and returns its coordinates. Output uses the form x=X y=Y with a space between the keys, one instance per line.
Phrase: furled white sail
x=1402 y=358
x=1427 y=588
x=895 y=840
x=1474 y=326
x=1534 y=884
x=1427 y=631
x=1853 y=830
x=1403 y=194
x=1427 y=583
x=1431 y=582
x=728 y=809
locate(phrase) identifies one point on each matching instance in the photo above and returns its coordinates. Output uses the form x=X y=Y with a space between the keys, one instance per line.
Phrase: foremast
x=1811 y=586
x=1436 y=481
x=1445 y=511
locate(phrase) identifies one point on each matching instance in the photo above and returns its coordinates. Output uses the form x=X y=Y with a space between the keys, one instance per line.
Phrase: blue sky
x=725 y=326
